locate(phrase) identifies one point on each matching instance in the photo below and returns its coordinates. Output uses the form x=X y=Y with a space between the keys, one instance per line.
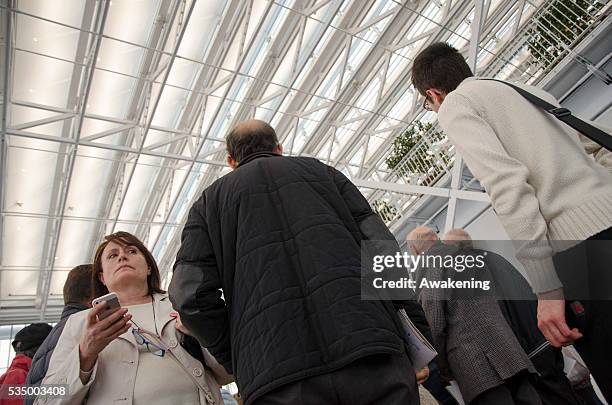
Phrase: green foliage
x=562 y=23
x=423 y=163
x=404 y=143
x=386 y=211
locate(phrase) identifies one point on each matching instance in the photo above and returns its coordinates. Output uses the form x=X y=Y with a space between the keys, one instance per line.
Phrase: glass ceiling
x=116 y=111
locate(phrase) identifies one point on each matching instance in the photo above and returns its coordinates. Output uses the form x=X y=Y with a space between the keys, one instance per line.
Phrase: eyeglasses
x=151 y=347
x=426 y=105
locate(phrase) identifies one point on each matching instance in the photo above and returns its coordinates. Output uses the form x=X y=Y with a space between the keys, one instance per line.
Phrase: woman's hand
x=98 y=334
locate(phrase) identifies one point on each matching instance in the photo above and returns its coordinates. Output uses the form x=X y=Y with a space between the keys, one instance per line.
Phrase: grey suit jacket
x=471 y=335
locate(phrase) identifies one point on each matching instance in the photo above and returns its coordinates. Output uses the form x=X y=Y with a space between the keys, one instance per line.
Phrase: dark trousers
x=588 y=395
x=517 y=390
x=586 y=273
x=378 y=379
x=436 y=385
x=552 y=384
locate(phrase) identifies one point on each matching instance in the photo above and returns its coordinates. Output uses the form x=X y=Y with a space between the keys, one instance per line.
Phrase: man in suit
x=475 y=345
x=519 y=306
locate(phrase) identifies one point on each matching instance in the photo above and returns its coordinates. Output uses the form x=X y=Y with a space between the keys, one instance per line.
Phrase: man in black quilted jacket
x=268 y=279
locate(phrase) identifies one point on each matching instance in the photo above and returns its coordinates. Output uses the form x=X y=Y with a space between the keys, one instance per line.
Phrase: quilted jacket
x=268 y=274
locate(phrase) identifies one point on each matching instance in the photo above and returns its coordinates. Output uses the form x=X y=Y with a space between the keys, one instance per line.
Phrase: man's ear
x=435 y=95
x=278 y=149
x=231 y=162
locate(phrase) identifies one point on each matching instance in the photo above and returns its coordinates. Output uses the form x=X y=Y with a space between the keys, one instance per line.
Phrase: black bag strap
x=565 y=115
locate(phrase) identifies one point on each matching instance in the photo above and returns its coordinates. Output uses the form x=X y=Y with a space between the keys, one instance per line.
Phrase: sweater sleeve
x=601 y=155
x=506 y=180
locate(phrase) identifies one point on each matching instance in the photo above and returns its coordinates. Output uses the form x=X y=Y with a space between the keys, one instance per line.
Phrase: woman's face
x=123 y=265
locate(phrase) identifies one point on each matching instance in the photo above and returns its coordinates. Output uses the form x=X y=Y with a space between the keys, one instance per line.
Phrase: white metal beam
x=473 y=61
x=7 y=66
x=118 y=148
x=63 y=174
x=423 y=190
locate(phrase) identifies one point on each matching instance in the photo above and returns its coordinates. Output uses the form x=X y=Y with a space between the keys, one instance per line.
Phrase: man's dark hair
x=29 y=339
x=439 y=66
x=250 y=137
x=77 y=289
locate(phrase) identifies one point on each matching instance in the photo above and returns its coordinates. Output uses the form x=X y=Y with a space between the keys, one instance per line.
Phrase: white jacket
x=113 y=375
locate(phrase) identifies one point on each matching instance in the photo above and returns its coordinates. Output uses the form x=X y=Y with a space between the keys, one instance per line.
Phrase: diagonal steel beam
x=44 y=121
x=155 y=106
x=187 y=182
x=62 y=156
x=63 y=193
x=207 y=79
x=150 y=68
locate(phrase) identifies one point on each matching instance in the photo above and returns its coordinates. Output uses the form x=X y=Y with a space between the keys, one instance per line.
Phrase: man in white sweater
x=545 y=190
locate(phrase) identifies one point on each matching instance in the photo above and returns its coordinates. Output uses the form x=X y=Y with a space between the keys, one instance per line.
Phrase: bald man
x=268 y=278
x=475 y=345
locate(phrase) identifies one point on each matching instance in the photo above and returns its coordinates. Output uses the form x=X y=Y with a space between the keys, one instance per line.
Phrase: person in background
x=137 y=353
x=519 y=306
x=25 y=344
x=268 y=278
x=475 y=345
x=77 y=297
x=554 y=200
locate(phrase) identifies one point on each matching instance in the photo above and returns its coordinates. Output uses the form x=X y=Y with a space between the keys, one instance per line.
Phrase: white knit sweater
x=543 y=186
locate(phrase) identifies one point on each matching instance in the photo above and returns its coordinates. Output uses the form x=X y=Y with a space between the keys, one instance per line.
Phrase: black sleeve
x=356 y=202
x=374 y=229
x=195 y=290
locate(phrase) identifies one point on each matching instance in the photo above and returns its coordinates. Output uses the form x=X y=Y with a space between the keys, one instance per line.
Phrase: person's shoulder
x=489 y=88
x=77 y=320
x=15 y=376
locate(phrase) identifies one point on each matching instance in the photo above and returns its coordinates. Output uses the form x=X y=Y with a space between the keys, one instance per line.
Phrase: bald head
x=458 y=237
x=250 y=137
x=420 y=239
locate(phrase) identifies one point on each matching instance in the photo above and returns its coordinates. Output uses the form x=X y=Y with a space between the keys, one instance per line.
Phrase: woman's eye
x=133 y=251
x=112 y=255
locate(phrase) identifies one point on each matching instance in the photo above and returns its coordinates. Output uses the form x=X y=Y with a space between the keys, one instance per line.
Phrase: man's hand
x=551 y=319
x=179 y=325
x=422 y=375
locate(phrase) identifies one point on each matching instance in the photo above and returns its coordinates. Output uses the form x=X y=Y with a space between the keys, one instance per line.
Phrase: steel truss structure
x=114 y=113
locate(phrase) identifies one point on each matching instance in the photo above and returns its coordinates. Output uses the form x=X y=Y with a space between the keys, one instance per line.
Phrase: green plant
x=404 y=143
x=562 y=23
x=386 y=211
x=423 y=163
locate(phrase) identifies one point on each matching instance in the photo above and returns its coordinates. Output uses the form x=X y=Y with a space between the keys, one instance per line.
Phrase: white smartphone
x=113 y=304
